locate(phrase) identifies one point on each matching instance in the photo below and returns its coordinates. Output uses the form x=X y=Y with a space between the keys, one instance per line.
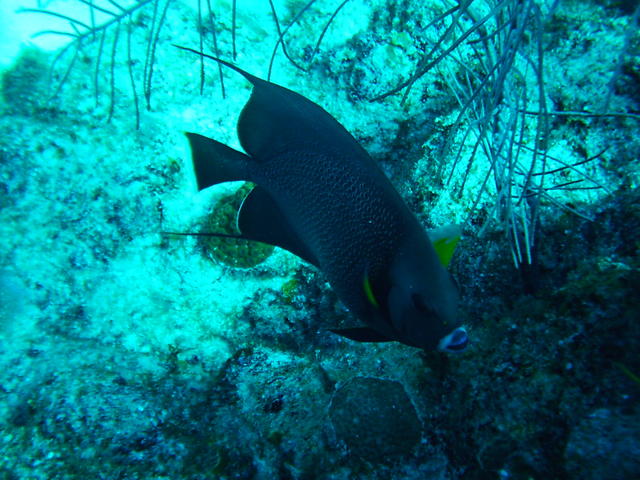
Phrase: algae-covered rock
x=604 y=446
x=235 y=253
x=24 y=86
x=375 y=418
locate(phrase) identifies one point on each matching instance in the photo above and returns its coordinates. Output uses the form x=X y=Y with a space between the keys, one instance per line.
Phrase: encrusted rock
x=604 y=446
x=375 y=418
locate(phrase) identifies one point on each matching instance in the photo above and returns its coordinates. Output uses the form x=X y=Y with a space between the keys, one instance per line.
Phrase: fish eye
x=456 y=341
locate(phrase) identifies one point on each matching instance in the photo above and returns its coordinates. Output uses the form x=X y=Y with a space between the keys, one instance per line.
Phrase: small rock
x=375 y=418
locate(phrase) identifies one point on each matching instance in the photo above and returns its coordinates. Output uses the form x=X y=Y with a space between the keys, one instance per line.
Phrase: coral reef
x=222 y=219
x=605 y=445
x=127 y=353
x=24 y=85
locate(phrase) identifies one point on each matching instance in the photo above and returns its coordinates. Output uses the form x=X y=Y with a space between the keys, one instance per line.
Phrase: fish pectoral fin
x=214 y=162
x=261 y=220
x=362 y=334
x=444 y=240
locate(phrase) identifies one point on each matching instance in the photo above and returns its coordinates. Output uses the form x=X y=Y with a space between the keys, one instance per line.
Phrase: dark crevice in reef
x=545 y=361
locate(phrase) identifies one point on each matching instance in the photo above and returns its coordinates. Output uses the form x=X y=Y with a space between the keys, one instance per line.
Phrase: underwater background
x=126 y=353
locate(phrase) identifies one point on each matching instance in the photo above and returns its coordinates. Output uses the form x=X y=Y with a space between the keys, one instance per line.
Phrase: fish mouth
x=456 y=341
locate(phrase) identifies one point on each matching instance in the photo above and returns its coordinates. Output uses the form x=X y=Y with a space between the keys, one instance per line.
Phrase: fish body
x=321 y=196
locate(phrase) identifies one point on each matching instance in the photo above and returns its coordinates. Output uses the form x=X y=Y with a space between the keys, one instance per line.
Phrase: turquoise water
x=129 y=353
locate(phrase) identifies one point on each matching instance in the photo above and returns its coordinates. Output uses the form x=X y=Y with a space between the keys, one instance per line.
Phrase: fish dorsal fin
x=444 y=240
x=260 y=219
x=276 y=119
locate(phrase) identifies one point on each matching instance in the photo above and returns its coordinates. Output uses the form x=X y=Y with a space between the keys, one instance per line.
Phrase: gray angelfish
x=320 y=196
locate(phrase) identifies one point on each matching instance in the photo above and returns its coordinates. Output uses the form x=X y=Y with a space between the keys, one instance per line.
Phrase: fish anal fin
x=260 y=219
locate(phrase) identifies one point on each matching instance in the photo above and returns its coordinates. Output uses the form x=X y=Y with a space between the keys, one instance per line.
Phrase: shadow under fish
x=322 y=197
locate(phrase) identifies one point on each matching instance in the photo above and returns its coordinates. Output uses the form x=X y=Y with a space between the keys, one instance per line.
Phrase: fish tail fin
x=214 y=162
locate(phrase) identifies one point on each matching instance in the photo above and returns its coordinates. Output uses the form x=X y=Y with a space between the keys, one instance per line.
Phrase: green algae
x=232 y=252
x=289 y=290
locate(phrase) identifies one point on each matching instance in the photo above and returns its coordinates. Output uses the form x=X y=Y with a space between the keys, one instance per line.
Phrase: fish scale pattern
x=353 y=228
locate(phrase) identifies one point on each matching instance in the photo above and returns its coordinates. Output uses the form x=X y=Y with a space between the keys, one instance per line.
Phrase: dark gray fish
x=320 y=196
